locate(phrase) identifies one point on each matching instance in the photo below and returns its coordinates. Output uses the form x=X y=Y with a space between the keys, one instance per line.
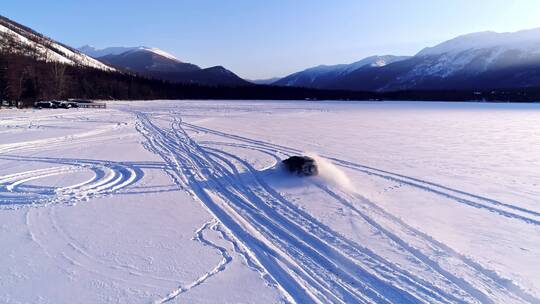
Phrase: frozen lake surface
x=183 y=202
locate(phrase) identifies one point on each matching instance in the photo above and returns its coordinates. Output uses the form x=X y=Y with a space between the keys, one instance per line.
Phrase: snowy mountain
x=323 y=75
x=23 y=40
x=96 y=53
x=162 y=65
x=145 y=60
x=485 y=60
x=473 y=61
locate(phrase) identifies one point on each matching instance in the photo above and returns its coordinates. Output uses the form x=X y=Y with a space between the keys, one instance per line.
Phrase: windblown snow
x=184 y=202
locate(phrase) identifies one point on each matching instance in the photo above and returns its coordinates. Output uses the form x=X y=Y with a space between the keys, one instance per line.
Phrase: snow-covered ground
x=182 y=202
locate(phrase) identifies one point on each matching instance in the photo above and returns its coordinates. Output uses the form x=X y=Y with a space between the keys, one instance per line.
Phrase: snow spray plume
x=330 y=173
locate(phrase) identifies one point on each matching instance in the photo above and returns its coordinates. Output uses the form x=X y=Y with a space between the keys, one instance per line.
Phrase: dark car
x=45 y=105
x=301 y=165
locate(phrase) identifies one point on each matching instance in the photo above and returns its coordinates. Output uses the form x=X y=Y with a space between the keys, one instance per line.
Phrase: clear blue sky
x=260 y=39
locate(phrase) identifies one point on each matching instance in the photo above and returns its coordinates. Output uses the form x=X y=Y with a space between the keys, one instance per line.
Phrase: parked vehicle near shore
x=54 y=104
x=45 y=105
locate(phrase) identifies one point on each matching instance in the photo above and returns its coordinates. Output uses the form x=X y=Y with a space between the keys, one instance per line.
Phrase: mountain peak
x=96 y=53
x=159 y=52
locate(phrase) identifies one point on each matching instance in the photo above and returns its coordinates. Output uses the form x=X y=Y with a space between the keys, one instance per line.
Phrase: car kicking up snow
x=301 y=165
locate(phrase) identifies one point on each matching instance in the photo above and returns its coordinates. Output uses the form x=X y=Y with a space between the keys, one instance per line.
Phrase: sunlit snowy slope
x=22 y=40
x=183 y=202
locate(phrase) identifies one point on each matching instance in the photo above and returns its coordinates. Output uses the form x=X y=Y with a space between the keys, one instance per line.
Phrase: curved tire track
x=108 y=178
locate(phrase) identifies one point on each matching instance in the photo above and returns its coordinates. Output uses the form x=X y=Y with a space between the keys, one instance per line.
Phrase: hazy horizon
x=266 y=40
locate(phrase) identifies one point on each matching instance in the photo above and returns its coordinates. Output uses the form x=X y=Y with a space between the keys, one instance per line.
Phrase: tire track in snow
x=459 y=196
x=225 y=259
x=317 y=225
x=493 y=285
x=506 y=210
x=487 y=279
x=491 y=280
x=184 y=175
x=350 y=293
x=95 y=135
x=108 y=178
x=351 y=249
x=201 y=174
x=41 y=144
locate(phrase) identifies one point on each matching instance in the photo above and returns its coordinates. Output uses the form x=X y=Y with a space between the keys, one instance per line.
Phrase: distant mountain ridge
x=472 y=61
x=482 y=66
x=324 y=75
x=162 y=65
